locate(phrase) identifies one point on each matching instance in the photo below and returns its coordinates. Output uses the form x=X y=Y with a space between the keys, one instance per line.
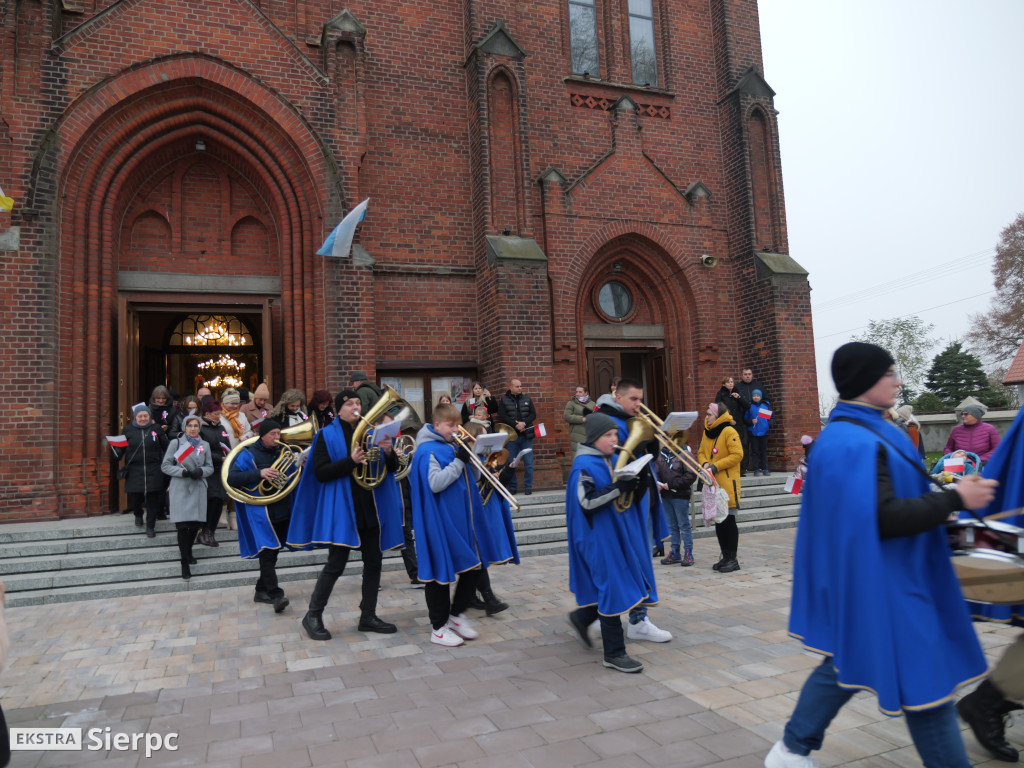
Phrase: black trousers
x=728 y=534
x=186 y=538
x=759 y=449
x=154 y=501
x=267 y=582
x=337 y=558
x=441 y=604
x=213 y=508
x=612 y=637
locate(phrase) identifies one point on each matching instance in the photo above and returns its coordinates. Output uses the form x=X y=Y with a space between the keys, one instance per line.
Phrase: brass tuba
x=372 y=473
x=265 y=492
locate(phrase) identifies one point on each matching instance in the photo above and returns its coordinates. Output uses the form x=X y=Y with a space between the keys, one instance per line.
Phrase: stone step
x=109 y=556
x=159 y=584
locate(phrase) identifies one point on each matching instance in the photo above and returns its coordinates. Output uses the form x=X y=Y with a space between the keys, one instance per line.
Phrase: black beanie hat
x=345 y=394
x=597 y=424
x=857 y=367
x=267 y=425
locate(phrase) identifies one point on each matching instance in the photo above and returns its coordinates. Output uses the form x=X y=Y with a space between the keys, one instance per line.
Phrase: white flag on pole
x=339 y=242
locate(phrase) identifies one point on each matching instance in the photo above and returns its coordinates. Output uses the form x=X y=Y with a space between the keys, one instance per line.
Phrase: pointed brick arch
x=114 y=144
x=661 y=272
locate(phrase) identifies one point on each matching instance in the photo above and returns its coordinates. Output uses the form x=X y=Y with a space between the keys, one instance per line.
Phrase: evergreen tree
x=956 y=374
x=928 y=402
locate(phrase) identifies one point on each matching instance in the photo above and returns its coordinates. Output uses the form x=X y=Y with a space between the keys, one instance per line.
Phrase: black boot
x=476 y=602
x=186 y=572
x=718 y=566
x=729 y=563
x=983 y=711
x=313 y=623
x=491 y=603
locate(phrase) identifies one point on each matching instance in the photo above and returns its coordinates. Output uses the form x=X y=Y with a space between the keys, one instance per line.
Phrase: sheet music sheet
x=678 y=421
x=383 y=431
x=632 y=469
x=489 y=443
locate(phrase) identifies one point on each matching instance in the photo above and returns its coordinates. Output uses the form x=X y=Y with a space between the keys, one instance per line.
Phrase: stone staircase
x=108 y=556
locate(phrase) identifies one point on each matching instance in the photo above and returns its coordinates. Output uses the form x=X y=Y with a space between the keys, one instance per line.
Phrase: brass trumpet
x=464 y=439
x=646 y=425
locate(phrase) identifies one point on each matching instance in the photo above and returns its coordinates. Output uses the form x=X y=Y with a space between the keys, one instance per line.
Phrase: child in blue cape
x=758 y=424
x=604 y=572
x=444 y=505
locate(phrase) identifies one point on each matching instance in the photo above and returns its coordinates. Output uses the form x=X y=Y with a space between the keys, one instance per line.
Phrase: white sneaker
x=780 y=757
x=445 y=636
x=463 y=627
x=645 y=630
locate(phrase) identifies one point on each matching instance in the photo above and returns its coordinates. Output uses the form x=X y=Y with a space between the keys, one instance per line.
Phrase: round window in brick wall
x=615 y=300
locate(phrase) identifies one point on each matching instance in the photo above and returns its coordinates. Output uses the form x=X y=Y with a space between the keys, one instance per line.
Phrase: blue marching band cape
x=494 y=531
x=610 y=562
x=323 y=513
x=890 y=613
x=1006 y=466
x=446 y=543
x=255 y=531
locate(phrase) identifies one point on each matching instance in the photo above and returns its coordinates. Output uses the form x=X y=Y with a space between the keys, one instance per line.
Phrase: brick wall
x=404 y=103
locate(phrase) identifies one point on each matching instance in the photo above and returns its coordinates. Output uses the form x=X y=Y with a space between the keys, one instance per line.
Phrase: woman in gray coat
x=576 y=412
x=188 y=462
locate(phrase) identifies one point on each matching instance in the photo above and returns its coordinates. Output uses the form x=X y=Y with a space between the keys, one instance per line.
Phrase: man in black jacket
x=745 y=387
x=361 y=513
x=516 y=410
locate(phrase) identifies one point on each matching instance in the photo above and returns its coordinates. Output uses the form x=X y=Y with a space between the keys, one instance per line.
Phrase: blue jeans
x=514 y=447
x=677 y=511
x=935 y=732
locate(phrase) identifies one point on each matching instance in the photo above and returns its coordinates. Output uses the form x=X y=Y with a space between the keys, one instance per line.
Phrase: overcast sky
x=900 y=124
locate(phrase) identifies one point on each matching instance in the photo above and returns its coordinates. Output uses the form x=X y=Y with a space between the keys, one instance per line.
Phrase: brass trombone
x=646 y=425
x=464 y=439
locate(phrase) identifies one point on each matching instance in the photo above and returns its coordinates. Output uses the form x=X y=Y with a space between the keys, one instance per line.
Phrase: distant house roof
x=1016 y=373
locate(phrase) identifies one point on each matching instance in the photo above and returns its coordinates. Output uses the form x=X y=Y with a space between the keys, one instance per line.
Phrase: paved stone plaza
x=245 y=687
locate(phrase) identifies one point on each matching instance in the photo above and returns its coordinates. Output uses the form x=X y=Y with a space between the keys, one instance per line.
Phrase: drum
x=988 y=560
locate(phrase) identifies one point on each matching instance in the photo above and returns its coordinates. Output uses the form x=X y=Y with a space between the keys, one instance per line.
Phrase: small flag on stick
x=339 y=242
x=541 y=430
x=954 y=464
x=763 y=413
x=117 y=441
x=794 y=484
x=184 y=452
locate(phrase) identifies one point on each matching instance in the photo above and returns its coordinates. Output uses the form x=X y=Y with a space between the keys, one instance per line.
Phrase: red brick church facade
x=180 y=156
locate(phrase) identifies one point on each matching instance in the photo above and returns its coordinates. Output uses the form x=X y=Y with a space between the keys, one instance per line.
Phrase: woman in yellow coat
x=721 y=453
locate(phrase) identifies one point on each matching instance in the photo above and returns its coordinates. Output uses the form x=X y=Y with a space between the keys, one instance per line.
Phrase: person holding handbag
x=188 y=462
x=721 y=453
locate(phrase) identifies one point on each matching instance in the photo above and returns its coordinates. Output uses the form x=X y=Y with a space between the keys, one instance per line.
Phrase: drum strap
x=914 y=464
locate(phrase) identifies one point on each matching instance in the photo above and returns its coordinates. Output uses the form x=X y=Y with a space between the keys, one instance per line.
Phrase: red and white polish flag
x=954 y=464
x=541 y=430
x=794 y=484
x=118 y=441
x=255 y=424
x=184 y=452
x=763 y=413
